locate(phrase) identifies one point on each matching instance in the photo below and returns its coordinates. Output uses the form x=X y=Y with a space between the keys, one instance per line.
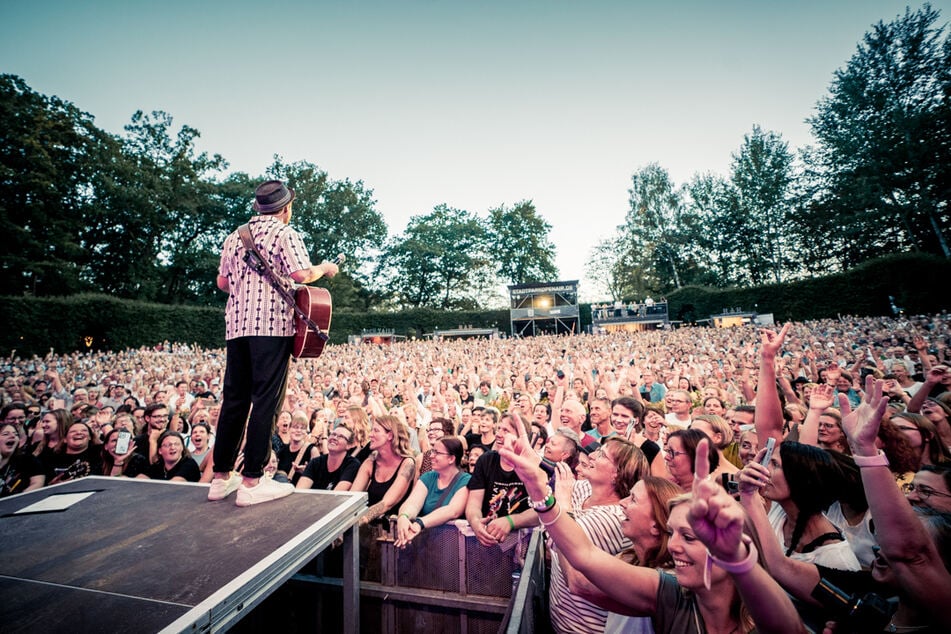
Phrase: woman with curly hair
x=388 y=474
x=358 y=422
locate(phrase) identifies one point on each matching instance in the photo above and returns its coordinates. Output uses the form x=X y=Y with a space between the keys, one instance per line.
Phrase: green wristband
x=511 y=521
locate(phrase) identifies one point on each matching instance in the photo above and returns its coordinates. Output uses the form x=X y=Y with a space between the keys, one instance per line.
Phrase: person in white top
x=678 y=408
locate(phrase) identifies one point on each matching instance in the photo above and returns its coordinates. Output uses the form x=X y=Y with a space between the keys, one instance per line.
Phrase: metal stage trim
x=149 y=556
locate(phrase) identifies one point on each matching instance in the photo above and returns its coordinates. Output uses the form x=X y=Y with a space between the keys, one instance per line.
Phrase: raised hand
x=754 y=476
x=771 y=343
x=564 y=484
x=716 y=518
x=861 y=425
x=822 y=396
x=833 y=372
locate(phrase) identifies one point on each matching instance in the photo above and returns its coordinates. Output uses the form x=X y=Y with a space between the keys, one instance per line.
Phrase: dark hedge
x=83 y=322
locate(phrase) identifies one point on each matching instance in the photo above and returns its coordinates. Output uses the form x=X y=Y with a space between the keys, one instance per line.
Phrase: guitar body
x=315 y=302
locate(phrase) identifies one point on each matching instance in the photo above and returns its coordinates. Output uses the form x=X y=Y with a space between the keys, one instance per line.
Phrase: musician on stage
x=259 y=333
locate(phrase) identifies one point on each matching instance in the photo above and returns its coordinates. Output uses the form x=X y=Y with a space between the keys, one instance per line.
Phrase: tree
x=651 y=235
x=521 y=247
x=609 y=268
x=436 y=262
x=878 y=179
x=714 y=229
x=47 y=150
x=761 y=179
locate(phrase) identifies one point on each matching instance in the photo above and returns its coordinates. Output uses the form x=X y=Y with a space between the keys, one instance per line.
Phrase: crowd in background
x=632 y=444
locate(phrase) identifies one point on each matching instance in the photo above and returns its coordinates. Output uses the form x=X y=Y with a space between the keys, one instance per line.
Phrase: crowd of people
x=688 y=480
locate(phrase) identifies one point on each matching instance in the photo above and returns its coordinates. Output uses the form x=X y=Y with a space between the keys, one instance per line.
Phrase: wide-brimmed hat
x=271 y=197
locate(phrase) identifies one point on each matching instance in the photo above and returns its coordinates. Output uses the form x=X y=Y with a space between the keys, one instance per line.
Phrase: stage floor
x=148 y=556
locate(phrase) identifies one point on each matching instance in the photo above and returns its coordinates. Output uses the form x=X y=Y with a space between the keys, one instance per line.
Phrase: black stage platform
x=150 y=556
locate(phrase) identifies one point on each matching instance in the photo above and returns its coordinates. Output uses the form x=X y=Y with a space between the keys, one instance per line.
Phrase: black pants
x=255 y=379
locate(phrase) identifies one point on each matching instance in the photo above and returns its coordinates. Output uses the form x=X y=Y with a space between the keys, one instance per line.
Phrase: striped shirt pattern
x=254 y=308
x=602 y=525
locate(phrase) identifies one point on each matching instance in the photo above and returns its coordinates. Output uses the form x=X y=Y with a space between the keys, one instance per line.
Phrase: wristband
x=733 y=567
x=420 y=522
x=544 y=502
x=511 y=521
x=554 y=519
x=878 y=460
x=545 y=506
x=406 y=516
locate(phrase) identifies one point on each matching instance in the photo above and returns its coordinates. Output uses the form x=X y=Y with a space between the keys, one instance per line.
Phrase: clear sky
x=472 y=104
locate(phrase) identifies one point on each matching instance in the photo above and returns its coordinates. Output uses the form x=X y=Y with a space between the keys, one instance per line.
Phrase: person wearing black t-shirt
x=336 y=470
x=498 y=503
x=174 y=462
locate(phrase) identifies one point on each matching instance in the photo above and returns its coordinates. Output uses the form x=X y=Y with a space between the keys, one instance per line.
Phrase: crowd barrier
x=443 y=581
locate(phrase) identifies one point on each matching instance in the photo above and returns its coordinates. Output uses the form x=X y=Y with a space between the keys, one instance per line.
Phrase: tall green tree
x=611 y=268
x=48 y=151
x=762 y=177
x=651 y=234
x=714 y=231
x=181 y=205
x=878 y=178
x=521 y=247
x=437 y=262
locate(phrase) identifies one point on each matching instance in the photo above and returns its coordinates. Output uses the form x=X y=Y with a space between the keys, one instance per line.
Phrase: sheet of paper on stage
x=55 y=503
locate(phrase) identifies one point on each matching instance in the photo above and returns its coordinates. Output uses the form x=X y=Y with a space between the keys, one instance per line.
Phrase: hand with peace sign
x=716 y=518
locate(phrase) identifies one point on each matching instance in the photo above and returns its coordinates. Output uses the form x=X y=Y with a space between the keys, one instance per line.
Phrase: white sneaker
x=223 y=487
x=265 y=491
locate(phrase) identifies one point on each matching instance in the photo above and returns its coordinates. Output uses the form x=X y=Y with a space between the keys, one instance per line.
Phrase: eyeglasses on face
x=442 y=453
x=671 y=454
x=923 y=491
x=600 y=453
x=907 y=428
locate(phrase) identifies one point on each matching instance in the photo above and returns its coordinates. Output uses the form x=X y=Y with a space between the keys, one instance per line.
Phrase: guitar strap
x=260 y=265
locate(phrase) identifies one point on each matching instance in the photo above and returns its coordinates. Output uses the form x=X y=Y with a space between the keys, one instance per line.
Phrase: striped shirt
x=602 y=525
x=254 y=308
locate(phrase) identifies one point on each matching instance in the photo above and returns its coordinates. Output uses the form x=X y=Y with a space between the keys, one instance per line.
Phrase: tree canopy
x=876 y=182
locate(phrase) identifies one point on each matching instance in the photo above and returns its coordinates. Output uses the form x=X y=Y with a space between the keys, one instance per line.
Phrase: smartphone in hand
x=770 y=446
x=122 y=442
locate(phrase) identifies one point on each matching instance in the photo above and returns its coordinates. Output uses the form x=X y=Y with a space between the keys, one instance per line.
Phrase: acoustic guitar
x=311 y=321
x=312 y=305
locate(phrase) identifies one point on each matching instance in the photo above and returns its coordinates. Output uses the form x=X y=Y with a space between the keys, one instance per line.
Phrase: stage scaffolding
x=545 y=308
